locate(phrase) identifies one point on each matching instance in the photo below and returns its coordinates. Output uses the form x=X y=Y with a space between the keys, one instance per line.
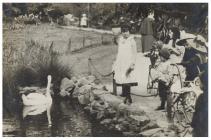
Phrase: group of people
x=194 y=58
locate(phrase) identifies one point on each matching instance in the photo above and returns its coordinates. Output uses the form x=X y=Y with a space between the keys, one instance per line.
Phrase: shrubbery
x=32 y=67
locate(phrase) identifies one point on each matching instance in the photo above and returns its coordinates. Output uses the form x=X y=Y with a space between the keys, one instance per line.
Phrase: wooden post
x=83 y=41
x=89 y=67
x=114 y=86
x=69 y=46
x=102 y=39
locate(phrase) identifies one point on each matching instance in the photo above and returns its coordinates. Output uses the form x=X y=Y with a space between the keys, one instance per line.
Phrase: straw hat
x=198 y=43
x=182 y=42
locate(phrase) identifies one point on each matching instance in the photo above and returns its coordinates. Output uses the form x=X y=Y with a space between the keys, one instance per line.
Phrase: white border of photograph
x=95 y=1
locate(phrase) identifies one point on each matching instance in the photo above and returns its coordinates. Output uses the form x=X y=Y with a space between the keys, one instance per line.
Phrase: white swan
x=36 y=103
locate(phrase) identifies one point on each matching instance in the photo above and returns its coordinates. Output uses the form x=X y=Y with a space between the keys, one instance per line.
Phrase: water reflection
x=68 y=119
x=33 y=110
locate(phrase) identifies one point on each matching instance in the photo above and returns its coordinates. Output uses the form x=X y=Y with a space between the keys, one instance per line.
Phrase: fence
x=87 y=41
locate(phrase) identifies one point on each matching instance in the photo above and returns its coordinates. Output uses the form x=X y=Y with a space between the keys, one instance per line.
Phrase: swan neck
x=48 y=88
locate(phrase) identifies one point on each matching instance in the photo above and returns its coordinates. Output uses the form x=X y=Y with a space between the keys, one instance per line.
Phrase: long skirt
x=147 y=41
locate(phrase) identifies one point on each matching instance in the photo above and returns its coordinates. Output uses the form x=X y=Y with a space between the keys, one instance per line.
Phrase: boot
x=162 y=106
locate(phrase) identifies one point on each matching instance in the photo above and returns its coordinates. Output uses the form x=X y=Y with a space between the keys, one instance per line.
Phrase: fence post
x=114 y=86
x=69 y=46
x=102 y=39
x=83 y=41
x=89 y=67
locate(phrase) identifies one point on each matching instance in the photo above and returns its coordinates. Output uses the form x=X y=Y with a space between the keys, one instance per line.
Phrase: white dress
x=125 y=59
x=84 y=21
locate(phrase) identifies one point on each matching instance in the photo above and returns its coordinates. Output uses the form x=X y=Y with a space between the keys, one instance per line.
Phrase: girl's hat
x=125 y=28
x=164 y=52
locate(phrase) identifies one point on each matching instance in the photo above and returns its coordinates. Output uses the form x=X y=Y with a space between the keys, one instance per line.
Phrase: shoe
x=160 y=108
x=122 y=95
x=125 y=101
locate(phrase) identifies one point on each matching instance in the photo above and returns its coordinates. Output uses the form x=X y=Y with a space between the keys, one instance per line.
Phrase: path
x=103 y=58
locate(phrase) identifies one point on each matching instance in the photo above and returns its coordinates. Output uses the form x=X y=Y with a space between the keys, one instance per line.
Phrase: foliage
x=32 y=67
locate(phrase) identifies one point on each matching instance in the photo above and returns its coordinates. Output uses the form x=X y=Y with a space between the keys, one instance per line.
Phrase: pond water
x=68 y=120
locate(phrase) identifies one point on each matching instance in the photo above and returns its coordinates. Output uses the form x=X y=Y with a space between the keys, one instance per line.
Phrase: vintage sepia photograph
x=104 y=69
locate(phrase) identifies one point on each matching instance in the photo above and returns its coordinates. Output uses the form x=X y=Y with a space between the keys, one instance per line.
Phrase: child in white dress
x=125 y=62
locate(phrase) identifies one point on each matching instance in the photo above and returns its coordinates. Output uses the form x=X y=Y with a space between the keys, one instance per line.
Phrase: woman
x=125 y=61
x=200 y=116
x=147 y=33
x=195 y=58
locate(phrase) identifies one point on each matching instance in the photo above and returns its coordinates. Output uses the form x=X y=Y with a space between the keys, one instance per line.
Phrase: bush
x=34 y=64
x=25 y=76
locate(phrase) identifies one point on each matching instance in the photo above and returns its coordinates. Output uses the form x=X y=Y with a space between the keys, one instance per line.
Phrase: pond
x=68 y=120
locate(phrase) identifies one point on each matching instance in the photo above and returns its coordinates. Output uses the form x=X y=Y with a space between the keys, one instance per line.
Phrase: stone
x=93 y=113
x=99 y=92
x=84 y=99
x=74 y=79
x=120 y=127
x=87 y=109
x=129 y=134
x=125 y=123
x=134 y=128
x=97 y=81
x=83 y=81
x=66 y=87
x=66 y=84
x=100 y=115
x=84 y=89
x=111 y=126
x=151 y=132
x=112 y=100
x=106 y=121
x=110 y=112
x=99 y=105
x=150 y=125
x=91 y=78
x=63 y=93
x=122 y=110
x=140 y=120
x=136 y=109
x=120 y=120
x=170 y=134
x=75 y=92
x=99 y=87
x=159 y=134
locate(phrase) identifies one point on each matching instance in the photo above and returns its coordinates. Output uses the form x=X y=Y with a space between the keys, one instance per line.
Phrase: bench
x=117 y=84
